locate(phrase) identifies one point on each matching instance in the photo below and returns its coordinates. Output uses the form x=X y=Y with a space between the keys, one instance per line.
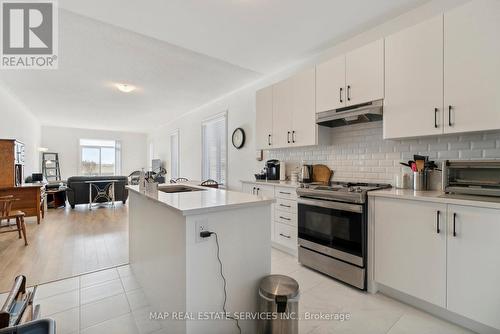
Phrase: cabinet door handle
x=258 y=189
x=438 y=215
x=340 y=94
x=285 y=193
x=449 y=115
x=285 y=218
x=288 y=137
x=269 y=139
x=454 y=224
x=435 y=117
x=253 y=191
x=348 y=93
x=286 y=206
x=286 y=236
x=293 y=136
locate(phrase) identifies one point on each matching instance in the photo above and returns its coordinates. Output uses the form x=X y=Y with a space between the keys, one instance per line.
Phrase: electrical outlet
x=201 y=225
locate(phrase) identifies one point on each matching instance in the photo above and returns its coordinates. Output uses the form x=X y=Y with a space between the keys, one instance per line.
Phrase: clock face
x=238 y=138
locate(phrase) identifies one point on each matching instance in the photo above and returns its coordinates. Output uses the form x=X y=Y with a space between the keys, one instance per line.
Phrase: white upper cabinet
x=330 y=84
x=264 y=118
x=410 y=248
x=413 y=104
x=472 y=67
x=304 y=128
x=294 y=114
x=473 y=264
x=354 y=78
x=365 y=73
x=282 y=113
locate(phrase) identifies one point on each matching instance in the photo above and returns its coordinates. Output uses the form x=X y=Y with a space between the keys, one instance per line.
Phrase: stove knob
x=359 y=190
x=350 y=189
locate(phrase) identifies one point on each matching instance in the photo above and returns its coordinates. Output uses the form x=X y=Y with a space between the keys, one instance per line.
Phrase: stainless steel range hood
x=361 y=113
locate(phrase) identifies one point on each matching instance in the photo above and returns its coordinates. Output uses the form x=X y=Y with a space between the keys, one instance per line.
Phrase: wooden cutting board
x=321 y=173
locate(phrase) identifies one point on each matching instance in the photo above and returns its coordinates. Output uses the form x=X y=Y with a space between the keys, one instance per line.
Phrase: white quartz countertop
x=437 y=197
x=205 y=200
x=278 y=183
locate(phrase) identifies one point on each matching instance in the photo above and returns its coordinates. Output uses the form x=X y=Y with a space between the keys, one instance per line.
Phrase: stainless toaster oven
x=473 y=177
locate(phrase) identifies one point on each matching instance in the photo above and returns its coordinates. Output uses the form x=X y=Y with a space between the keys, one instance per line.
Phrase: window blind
x=174 y=155
x=214 y=146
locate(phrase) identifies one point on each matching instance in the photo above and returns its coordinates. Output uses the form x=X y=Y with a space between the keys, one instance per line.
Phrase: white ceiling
x=261 y=35
x=180 y=53
x=93 y=56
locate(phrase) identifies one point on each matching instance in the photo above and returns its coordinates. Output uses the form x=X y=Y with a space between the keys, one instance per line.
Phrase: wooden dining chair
x=6 y=213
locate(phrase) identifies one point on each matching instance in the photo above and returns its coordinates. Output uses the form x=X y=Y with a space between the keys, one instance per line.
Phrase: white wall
x=17 y=122
x=65 y=141
x=241 y=113
x=241 y=105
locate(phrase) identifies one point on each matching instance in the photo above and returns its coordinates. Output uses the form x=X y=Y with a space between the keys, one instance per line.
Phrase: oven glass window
x=337 y=229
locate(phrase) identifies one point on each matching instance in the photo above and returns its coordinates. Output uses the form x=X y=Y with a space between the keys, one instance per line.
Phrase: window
x=99 y=157
x=214 y=149
x=174 y=155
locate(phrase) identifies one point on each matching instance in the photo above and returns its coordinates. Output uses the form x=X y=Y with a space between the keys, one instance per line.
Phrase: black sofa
x=78 y=191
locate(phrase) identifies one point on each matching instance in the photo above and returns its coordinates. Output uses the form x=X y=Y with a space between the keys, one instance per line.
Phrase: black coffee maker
x=273 y=169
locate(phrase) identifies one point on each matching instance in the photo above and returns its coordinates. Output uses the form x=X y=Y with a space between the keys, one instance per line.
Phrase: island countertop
x=205 y=200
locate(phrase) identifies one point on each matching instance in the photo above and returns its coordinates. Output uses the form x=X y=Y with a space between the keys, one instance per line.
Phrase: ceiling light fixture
x=125 y=88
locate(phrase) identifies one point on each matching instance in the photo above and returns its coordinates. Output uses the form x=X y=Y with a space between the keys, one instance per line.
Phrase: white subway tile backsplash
x=460 y=146
x=359 y=153
x=471 y=137
x=477 y=154
x=483 y=144
x=492 y=154
x=419 y=147
x=444 y=155
x=438 y=147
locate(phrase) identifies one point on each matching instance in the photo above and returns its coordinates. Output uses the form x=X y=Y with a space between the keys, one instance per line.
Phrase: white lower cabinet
x=284 y=227
x=410 y=253
x=264 y=190
x=474 y=263
x=286 y=218
x=286 y=235
x=248 y=188
x=457 y=269
x=286 y=205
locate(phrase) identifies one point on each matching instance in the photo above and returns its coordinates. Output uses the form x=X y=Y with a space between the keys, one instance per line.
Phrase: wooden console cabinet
x=29 y=196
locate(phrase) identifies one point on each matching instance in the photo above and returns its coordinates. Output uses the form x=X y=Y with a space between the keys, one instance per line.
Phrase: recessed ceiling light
x=125 y=88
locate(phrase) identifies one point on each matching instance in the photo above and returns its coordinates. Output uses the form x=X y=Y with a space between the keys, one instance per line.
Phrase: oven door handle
x=331 y=205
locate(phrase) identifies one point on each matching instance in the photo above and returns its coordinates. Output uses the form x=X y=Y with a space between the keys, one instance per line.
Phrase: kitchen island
x=179 y=271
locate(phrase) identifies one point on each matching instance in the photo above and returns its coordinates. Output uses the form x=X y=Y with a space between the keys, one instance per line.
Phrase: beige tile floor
x=111 y=301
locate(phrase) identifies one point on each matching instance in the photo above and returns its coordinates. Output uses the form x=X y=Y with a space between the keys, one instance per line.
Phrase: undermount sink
x=178 y=189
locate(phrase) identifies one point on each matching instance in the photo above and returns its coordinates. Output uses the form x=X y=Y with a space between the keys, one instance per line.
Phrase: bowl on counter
x=260 y=176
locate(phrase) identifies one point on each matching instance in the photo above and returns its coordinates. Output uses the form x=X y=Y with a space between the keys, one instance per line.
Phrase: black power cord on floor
x=206 y=234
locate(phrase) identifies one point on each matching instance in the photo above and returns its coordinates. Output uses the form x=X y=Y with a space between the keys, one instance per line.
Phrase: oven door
x=332 y=228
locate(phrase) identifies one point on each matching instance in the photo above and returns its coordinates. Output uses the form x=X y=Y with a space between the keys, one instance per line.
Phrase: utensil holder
x=419 y=181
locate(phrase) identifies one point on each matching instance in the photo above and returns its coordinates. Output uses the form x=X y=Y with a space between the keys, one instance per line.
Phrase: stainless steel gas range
x=333 y=229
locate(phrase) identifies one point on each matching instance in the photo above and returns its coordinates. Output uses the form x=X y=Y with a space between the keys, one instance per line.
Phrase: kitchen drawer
x=286 y=235
x=286 y=205
x=286 y=218
x=285 y=193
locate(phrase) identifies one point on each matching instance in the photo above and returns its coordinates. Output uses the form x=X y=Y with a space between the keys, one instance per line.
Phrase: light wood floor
x=66 y=243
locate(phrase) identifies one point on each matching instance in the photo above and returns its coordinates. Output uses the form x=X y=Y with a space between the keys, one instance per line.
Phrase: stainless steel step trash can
x=279 y=305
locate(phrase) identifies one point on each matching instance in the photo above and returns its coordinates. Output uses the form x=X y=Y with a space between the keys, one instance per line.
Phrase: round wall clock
x=238 y=138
